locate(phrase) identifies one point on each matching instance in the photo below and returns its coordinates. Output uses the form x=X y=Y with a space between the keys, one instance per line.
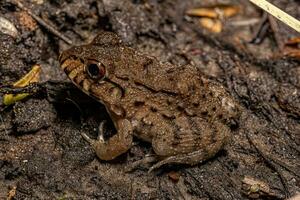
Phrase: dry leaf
x=31 y=77
x=174 y=176
x=12 y=193
x=292 y=48
x=293 y=41
x=27 y=21
x=230 y=11
x=296 y=197
x=213 y=25
x=214 y=12
x=8 y=28
x=202 y=12
x=256 y=188
x=211 y=16
x=291 y=52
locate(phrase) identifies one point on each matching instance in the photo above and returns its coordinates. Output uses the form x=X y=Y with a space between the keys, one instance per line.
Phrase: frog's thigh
x=182 y=137
x=188 y=147
x=116 y=145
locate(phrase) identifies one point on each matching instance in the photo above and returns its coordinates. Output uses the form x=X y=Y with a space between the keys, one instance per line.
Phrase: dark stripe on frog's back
x=143 y=70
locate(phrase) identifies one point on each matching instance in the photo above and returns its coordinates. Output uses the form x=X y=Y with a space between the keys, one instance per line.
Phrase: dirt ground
x=43 y=156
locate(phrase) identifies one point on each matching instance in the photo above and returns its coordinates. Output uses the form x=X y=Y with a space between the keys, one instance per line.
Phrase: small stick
x=278 y=37
x=261 y=30
x=42 y=22
x=279 y=14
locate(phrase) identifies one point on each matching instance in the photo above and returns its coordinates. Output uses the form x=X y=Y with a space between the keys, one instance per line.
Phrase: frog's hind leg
x=191 y=158
x=179 y=159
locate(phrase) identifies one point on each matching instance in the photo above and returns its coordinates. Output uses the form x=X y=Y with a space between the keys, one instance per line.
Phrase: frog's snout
x=72 y=65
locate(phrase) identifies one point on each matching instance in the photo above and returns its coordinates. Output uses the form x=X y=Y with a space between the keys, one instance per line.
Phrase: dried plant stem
x=41 y=21
x=279 y=14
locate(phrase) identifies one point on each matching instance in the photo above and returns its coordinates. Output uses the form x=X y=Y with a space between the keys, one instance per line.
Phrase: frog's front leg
x=114 y=146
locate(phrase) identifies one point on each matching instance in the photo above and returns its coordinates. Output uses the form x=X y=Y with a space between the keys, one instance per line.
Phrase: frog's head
x=91 y=67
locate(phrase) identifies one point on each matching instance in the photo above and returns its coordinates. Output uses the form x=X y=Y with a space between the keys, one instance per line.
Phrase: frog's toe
x=161 y=163
x=101 y=130
x=156 y=166
x=87 y=138
x=141 y=163
x=192 y=158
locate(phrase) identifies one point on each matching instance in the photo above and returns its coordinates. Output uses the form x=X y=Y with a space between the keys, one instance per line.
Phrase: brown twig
x=261 y=30
x=277 y=35
x=278 y=13
x=42 y=22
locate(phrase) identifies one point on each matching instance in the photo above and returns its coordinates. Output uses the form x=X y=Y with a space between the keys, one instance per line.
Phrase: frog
x=184 y=114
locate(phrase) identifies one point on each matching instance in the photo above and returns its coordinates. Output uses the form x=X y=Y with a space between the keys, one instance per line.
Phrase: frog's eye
x=95 y=70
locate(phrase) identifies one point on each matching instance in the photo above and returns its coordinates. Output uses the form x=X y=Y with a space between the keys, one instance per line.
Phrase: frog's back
x=186 y=85
x=175 y=88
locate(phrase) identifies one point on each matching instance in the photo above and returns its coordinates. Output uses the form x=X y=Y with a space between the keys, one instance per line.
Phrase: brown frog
x=182 y=113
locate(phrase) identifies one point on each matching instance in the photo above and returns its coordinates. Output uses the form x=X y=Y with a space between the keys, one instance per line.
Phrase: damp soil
x=42 y=153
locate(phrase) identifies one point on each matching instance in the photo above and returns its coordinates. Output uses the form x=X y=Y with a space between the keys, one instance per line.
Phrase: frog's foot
x=101 y=130
x=100 y=137
x=119 y=143
x=143 y=162
x=189 y=158
x=90 y=140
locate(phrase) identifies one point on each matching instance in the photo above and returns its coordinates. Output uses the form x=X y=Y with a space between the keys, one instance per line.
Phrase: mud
x=42 y=153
